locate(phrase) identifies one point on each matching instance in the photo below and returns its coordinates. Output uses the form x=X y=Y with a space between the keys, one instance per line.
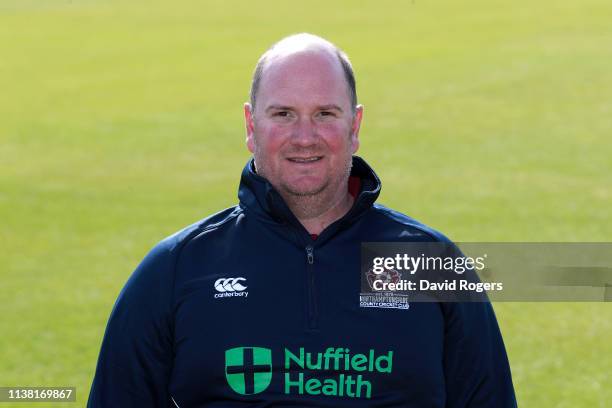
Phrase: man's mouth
x=310 y=159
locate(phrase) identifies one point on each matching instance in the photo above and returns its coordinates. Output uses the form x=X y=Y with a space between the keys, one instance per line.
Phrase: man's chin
x=305 y=190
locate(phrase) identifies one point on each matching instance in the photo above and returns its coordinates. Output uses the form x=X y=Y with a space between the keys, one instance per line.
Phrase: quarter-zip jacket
x=246 y=309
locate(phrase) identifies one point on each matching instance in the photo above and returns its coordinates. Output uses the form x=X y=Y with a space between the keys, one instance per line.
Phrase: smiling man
x=303 y=126
x=259 y=304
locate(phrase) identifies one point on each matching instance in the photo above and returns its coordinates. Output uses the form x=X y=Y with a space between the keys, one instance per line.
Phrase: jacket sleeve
x=135 y=360
x=477 y=372
x=476 y=367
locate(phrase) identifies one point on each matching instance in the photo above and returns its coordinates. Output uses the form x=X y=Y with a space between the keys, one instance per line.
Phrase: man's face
x=303 y=131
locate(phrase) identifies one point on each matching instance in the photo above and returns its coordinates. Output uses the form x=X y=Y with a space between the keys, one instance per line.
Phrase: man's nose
x=305 y=132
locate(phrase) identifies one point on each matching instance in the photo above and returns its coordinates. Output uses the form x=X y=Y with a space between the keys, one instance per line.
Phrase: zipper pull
x=310 y=254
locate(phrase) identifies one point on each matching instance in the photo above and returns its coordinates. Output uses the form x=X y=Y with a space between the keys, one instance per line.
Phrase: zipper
x=312 y=299
x=310 y=254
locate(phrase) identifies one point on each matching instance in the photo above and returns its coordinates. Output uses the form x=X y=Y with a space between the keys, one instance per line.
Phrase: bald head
x=299 y=45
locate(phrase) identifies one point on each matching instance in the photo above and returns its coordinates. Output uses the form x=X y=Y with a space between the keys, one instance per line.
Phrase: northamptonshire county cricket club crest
x=370 y=297
x=387 y=276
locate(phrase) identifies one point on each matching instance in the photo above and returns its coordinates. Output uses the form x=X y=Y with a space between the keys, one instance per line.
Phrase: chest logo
x=248 y=370
x=230 y=287
x=334 y=372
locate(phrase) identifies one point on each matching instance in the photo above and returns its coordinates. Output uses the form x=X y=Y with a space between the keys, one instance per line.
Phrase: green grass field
x=121 y=122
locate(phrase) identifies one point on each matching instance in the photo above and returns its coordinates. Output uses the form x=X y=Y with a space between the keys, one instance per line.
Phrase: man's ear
x=355 y=126
x=250 y=126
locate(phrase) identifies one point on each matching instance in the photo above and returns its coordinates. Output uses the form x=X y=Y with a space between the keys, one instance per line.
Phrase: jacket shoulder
x=408 y=227
x=155 y=273
x=138 y=342
x=176 y=241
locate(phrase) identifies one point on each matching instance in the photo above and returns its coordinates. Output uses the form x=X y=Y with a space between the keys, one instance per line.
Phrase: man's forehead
x=300 y=85
x=302 y=70
x=311 y=70
x=303 y=59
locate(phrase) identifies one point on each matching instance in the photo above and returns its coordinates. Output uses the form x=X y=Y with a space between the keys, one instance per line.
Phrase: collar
x=258 y=196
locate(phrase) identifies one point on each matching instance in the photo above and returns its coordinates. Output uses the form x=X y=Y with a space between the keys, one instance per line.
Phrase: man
x=258 y=305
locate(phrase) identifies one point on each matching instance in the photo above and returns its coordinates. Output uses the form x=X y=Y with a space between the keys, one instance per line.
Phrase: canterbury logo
x=229 y=285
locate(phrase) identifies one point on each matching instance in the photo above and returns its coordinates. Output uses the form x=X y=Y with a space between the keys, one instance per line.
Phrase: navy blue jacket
x=246 y=309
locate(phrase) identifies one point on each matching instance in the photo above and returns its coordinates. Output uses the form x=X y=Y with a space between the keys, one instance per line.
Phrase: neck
x=317 y=212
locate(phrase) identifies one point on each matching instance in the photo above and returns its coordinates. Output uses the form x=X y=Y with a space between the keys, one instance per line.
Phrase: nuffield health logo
x=248 y=369
x=334 y=372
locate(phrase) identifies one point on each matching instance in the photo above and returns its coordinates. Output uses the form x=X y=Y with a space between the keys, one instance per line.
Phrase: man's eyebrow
x=278 y=107
x=331 y=107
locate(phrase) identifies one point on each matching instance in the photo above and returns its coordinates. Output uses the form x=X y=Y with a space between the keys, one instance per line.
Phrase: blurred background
x=121 y=122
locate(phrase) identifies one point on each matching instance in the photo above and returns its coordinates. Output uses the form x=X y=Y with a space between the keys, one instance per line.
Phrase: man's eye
x=327 y=113
x=282 y=114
